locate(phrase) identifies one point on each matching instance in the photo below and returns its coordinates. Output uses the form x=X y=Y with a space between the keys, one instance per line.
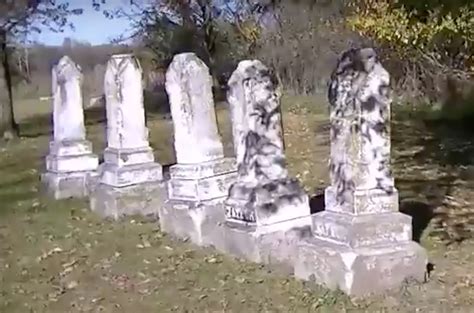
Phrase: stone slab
x=363 y=201
x=70 y=147
x=203 y=170
x=126 y=157
x=117 y=176
x=72 y=163
x=260 y=244
x=363 y=230
x=206 y=181
x=277 y=207
x=66 y=185
x=117 y=202
x=201 y=222
x=359 y=271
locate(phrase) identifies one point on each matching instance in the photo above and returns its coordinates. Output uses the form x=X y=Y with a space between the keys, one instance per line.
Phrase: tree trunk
x=8 y=128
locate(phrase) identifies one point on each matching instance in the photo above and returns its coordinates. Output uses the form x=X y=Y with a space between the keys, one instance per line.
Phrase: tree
x=207 y=27
x=17 y=19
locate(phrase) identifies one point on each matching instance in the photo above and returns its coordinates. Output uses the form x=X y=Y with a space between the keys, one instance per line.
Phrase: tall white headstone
x=189 y=88
x=128 y=158
x=200 y=180
x=70 y=161
x=129 y=170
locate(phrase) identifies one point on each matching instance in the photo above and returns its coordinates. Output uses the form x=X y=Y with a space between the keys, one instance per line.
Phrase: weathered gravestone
x=70 y=162
x=361 y=243
x=265 y=206
x=200 y=180
x=130 y=181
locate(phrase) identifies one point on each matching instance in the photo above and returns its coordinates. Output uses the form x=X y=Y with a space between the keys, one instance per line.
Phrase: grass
x=56 y=256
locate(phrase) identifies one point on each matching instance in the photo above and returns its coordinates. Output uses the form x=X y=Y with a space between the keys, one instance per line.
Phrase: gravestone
x=70 y=162
x=265 y=206
x=361 y=243
x=200 y=179
x=130 y=181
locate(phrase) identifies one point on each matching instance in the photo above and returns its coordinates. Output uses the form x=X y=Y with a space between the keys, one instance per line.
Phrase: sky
x=91 y=26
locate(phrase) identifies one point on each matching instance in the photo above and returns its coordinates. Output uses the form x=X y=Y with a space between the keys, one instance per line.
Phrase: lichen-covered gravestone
x=200 y=180
x=70 y=162
x=130 y=181
x=362 y=244
x=264 y=205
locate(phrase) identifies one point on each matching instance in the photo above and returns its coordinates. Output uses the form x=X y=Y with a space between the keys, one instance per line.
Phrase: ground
x=56 y=256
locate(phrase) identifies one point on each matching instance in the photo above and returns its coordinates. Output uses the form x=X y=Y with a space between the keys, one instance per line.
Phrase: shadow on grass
x=441 y=167
x=421 y=214
x=316 y=202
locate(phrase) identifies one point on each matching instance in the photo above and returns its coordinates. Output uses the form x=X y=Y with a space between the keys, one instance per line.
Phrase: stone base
x=270 y=244
x=71 y=156
x=360 y=202
x=116 y=202
x=363 y=230
x=359 y=271
x=126 y=157
x=66 y=185
x=269 y=203
x=118 y=176
x=199 y=222
x=203 y=181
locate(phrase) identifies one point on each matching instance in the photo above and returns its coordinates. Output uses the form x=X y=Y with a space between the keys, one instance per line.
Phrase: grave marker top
x=360 y=126
x=124 y=101
x=68 y=114
x=263 y=192
x=189 y=88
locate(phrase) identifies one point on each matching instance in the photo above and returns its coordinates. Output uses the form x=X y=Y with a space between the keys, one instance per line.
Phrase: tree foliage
x=443 y=34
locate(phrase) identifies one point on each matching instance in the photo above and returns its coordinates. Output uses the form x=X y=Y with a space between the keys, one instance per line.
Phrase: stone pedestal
x=69 y=165
x=266 y=232
x=370 y=250
x=117 y=202
x=361 y=243
x=359 y=271
x=194 y=208
x=126 y=167
x=129 y=181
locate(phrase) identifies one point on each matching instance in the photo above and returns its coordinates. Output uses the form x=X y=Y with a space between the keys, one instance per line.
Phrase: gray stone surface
x=70 y=161
x=361 y=243
x=359 y=271
x=66 y=185
x=273 y=244
x=263 y=193
x=117 y=202
x=200 y=222
x=203 y=181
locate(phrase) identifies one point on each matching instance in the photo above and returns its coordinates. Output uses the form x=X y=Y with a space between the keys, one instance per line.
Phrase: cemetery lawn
x=56 y=256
